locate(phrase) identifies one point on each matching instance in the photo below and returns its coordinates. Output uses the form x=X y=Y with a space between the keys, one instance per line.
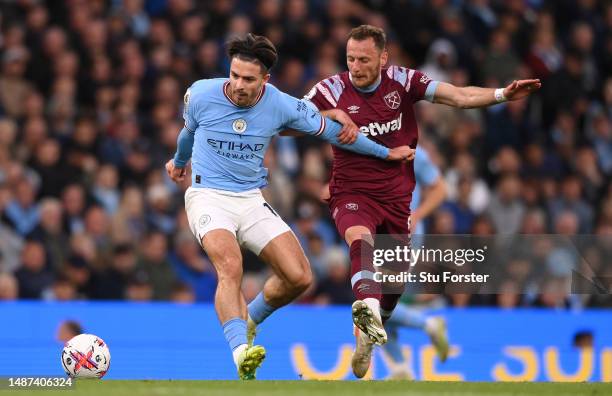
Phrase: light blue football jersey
x=230 y=141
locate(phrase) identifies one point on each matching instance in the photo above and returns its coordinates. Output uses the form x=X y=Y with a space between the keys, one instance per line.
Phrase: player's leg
x=212 y=221
x=398 y=367
x=292 y=274
x=267 y=235
x=291 y=277
x=355 y=221
x=224 y=253
x=368 y=292
x=366 y=308
x=433 y=326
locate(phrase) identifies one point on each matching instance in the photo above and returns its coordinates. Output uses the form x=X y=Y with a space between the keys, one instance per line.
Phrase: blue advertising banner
x=167 y=341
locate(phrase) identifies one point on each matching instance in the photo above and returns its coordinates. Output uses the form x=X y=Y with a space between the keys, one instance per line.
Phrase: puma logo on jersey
x=375 y=128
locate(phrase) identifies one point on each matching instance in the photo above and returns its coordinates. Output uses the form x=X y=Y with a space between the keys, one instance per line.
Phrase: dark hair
x=253 y=48
x=364 y=32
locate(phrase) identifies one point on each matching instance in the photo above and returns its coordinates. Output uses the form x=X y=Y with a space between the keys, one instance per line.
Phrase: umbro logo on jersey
x=353 y=109
x=393 y=100
x=239 y=125
x=363 y=288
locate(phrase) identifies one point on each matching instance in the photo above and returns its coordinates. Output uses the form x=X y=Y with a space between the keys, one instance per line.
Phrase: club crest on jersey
x=352 y=206
x=393 y=100
x=186 y=98
x=239 y=125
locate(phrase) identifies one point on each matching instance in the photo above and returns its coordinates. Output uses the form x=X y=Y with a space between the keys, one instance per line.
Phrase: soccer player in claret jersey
x=228 y=126
x=368 y=196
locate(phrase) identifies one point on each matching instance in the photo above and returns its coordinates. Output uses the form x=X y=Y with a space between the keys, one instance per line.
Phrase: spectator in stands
x=155 y=264
x=33 y=275
x=506 y=209
x=335 y=288
x=23 y=212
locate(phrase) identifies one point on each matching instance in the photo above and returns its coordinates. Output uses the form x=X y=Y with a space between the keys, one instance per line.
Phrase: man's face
x=364 y=61
x=246 y=81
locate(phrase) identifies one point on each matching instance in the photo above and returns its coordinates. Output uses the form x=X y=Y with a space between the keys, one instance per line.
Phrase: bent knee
x=357 y=233
x=300 y=281
x=305 y=280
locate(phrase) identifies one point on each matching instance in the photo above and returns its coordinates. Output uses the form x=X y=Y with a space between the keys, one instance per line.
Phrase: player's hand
x=521 y=88
x=349 y=131
x=401 y=153
x=176 y=174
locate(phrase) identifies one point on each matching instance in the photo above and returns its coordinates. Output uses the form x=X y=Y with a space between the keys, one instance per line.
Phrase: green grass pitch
x=313 y=388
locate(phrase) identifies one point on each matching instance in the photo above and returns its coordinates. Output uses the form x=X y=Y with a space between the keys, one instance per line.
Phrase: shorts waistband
x=248 y=193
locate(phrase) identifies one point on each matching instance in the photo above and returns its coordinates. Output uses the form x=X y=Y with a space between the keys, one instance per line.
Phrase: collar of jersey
x=369 y=89
x=259 y=96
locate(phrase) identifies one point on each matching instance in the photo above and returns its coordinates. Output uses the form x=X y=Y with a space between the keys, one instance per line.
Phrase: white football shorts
x=246 y=214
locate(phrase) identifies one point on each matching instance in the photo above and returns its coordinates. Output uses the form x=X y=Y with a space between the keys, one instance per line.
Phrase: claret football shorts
x=349 y=210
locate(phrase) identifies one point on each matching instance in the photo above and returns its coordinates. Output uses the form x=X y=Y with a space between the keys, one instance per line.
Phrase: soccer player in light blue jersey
x=228 y=126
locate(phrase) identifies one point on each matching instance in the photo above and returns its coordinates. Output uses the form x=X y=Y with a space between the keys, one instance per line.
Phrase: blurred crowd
x=91 y=103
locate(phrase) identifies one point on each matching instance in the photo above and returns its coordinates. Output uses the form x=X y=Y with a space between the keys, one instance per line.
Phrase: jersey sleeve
x=184 y=148
x=297 y=114
x=324 y=95
x=420 y=87
x=190 y=111
x=417 y=85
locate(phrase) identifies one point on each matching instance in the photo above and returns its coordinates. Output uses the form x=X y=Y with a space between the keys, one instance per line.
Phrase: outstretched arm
x=301 y=117
x=331 y=130
x=472 y=97
x=347 y=135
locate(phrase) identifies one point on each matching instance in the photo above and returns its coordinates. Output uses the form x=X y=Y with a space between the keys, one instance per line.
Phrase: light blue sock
x=392 y=347
x=407 y=317
x=259 y=310
x=235 y=331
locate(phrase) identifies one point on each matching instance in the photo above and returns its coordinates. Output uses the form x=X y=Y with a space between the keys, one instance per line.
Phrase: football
x=86 y=356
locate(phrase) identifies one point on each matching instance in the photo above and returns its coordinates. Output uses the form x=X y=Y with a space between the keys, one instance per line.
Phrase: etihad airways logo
x=234 y=146
x=375 y=128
